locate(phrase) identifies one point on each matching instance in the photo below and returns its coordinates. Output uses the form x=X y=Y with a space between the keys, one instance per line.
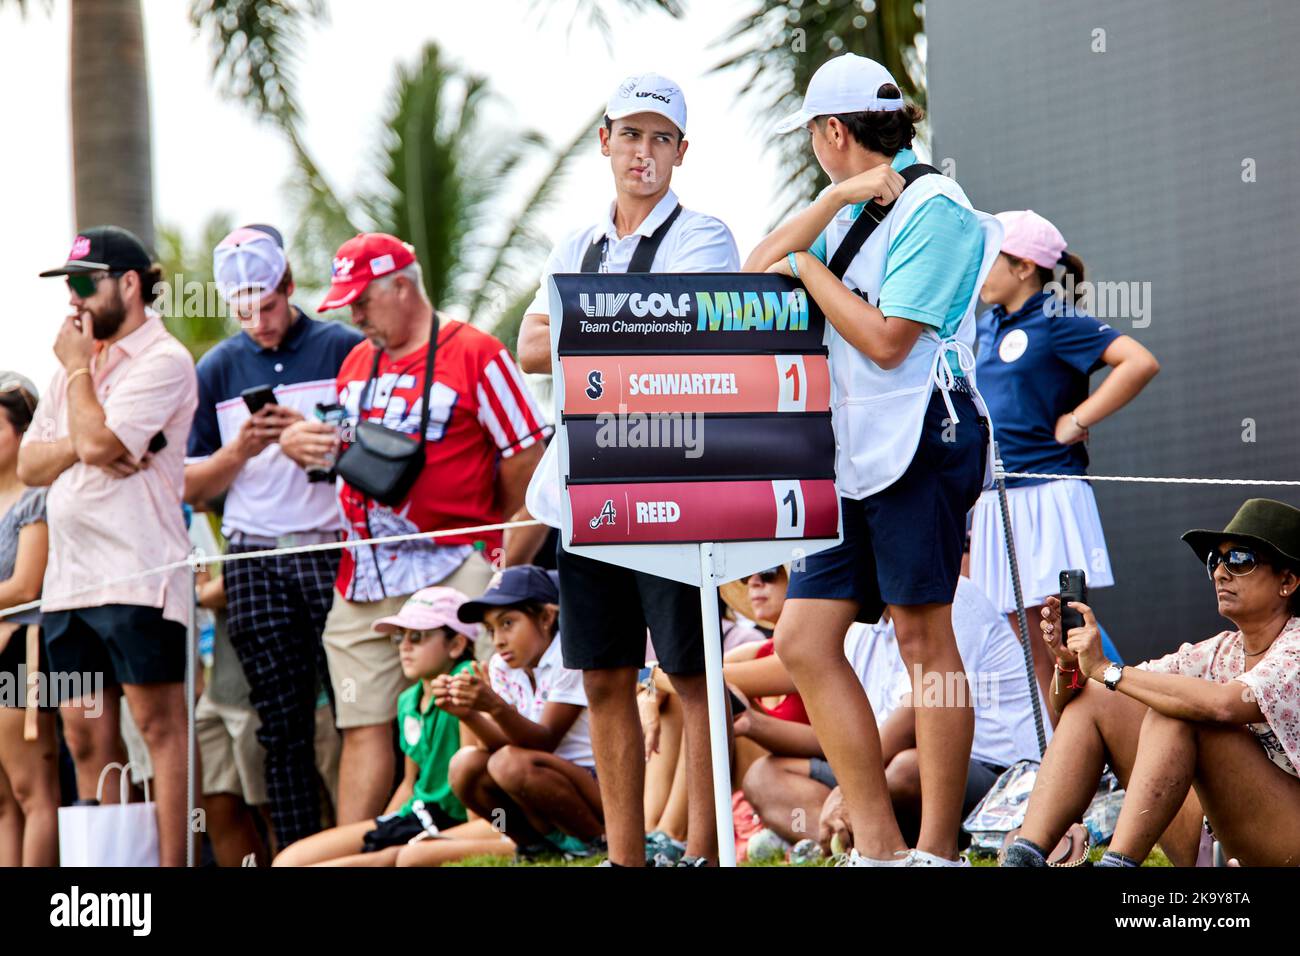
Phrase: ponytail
x=1071 y=276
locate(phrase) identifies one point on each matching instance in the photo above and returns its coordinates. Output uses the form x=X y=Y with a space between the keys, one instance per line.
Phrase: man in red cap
x=482 y=440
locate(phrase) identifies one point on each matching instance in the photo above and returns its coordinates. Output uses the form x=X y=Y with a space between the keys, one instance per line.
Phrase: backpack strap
x=644 y=254
x=872 y=215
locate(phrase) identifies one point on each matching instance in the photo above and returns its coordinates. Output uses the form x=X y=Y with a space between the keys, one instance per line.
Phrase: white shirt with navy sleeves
x=271 y=496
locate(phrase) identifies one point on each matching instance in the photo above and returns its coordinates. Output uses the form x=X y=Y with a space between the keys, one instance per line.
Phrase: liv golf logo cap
x=649 y=93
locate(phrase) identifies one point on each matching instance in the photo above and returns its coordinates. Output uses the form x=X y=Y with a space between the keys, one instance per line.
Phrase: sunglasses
x=415 y=637
x=1238 y=561
x=767 y=577
x=84 y=284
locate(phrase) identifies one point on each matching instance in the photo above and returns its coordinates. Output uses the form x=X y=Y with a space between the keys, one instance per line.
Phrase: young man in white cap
x=605 y=609
x=276 y=605
x=898 y=285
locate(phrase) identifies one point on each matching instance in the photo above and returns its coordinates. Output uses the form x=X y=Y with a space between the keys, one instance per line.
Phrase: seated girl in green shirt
x=432 y=642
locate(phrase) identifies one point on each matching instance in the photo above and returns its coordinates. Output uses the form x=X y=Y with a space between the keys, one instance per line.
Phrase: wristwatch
x=1111 y=675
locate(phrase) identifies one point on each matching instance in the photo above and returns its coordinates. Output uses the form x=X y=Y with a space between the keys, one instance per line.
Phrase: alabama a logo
x=606 y=516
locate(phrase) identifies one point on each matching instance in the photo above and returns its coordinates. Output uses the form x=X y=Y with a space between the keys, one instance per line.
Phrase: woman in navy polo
x=1036 y=354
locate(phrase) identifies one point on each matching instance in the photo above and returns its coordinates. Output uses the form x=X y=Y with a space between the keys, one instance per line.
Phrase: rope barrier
x=199 y=560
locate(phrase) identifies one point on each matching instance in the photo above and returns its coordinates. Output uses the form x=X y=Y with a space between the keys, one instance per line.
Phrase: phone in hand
x=332 y=414
x=157 y=443
x=1074 y=587
x=258 y=397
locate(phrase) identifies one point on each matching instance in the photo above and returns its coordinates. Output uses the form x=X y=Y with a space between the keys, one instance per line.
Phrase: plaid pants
x=276 y=609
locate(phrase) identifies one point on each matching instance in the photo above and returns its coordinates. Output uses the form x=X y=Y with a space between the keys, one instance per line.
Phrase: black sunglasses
x=767 y=577
x=1238 y=561
x=84 y=284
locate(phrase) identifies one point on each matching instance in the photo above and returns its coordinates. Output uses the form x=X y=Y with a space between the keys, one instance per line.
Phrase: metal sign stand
x=719 y=732
x=191 y=743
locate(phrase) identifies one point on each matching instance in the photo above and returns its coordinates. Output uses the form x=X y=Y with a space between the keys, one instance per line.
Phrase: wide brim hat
x=1260 y=521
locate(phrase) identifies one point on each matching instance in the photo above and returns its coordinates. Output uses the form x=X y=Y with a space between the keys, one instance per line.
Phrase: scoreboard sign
x=692 y=409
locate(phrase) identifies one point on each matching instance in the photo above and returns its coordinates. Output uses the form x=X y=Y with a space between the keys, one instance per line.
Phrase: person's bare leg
x=662 y=766
x=701 y=826
x=555 y=793
x=945 y=722
x=378 y=858
x=480 y=794
x=325 y=845
x=1044 y=661
x=674 y=819
x=11 y=826
x=366 y=766
x=231 y=830
x=810 y=642
x=159 y=712
x=904 y=777
x=1096 y=728
x=475 y=838
x=91 y=730
x=32 y=770
x=620 y=759
x=1159 y=785
x=786 y=798
x=1253 y=804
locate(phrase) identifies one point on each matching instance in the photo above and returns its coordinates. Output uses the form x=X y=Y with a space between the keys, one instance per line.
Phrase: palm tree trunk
x=111 y=156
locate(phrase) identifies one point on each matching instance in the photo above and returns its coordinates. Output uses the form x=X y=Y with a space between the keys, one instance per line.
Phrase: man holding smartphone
x=275 y=371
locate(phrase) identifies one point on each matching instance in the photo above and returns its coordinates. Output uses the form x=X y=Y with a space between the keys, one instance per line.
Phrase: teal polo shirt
x=932 y=264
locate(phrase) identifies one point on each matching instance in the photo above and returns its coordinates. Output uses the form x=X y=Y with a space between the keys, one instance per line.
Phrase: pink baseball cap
x=248 y=259
x=1027 y=235
x=428 y=609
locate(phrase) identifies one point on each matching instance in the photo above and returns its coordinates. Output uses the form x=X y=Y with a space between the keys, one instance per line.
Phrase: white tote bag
x=122 y=834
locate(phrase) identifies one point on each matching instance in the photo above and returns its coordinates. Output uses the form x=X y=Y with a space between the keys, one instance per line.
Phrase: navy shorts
x=903 y=545
x=127 y=643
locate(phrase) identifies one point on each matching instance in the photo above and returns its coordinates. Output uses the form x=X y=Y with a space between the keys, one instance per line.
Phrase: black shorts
x=13 y=673
x=605 y=610
x=398 y=829
x=903 y=545
x=127 y=643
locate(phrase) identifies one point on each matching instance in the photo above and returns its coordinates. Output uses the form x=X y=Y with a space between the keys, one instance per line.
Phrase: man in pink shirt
x=108 y=438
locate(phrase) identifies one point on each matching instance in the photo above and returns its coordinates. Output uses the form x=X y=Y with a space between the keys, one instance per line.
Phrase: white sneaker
x=856 y=859
x=921 y=858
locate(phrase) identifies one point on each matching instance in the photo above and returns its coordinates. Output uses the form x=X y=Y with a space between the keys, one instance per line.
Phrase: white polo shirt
x=694 y=243
x=551 y=683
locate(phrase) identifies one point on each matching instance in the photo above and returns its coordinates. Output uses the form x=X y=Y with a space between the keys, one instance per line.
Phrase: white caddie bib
x=878 y=414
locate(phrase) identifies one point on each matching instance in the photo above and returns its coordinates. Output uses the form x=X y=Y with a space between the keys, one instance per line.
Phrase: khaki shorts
x=364 y=666
x=230 y=755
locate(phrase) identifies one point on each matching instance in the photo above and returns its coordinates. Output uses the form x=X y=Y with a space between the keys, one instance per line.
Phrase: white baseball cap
x=846 y=84
x=649 y=93
x=247 y=259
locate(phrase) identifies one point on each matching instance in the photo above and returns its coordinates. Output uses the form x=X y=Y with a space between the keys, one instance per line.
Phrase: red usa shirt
x=480 y=411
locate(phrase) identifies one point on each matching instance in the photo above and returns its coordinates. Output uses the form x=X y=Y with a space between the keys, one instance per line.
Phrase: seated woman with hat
x=1212 y=729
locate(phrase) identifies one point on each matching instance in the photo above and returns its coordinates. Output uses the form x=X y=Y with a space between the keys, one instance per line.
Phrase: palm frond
x=254 y=44
x=594 y=12
x=777 y=62
x=520 y=236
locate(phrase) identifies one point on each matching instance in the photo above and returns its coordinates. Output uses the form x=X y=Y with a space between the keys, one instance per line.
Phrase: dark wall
x=1136 y=154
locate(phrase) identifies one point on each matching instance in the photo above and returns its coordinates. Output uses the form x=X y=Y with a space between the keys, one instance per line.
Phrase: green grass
x=1157 y=858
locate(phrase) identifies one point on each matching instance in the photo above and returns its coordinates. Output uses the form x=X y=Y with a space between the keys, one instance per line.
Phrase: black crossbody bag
x=383 y=463
x=872 y=215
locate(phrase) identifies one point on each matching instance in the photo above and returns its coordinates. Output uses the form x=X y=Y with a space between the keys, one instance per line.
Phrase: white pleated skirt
x=1055 y=525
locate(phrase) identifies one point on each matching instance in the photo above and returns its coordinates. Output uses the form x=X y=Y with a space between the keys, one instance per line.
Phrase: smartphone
x=335 y=415
x=157 y=443
x=258 y=397
x=1074 y=587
